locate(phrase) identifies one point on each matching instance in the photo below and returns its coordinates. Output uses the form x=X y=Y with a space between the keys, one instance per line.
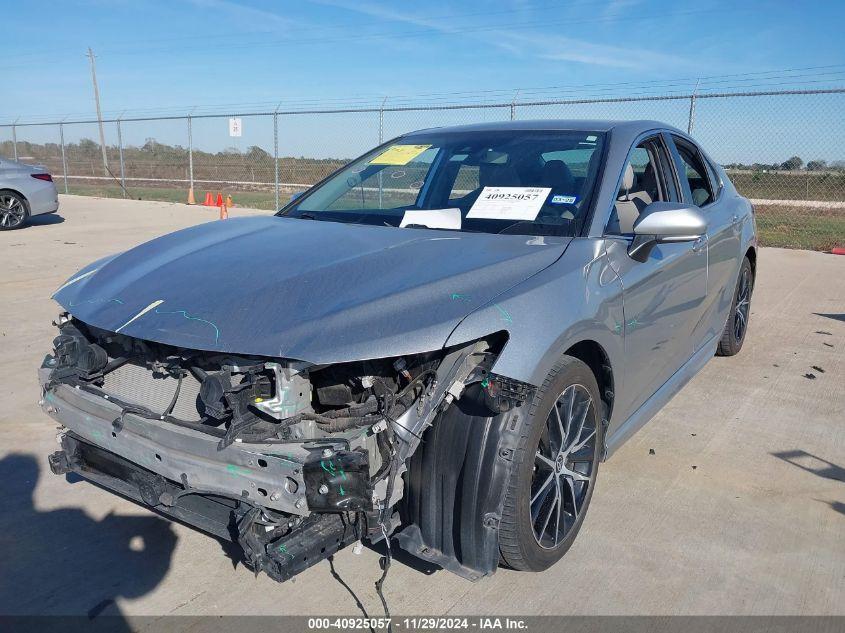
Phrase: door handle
x=698 y=244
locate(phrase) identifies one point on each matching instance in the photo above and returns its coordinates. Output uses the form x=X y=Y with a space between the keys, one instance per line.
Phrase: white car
x=24 y=191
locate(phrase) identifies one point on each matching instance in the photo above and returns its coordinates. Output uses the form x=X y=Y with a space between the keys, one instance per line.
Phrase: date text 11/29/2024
x=419 y=623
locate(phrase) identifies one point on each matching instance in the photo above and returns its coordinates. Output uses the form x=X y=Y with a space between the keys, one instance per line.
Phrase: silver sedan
x=438 y=344
x=24 y=191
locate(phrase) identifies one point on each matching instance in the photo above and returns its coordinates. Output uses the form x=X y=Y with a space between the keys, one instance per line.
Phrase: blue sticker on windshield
x=563 y=199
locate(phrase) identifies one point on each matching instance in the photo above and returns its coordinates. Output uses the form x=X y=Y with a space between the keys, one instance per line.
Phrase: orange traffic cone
x=219 y=200
x=191 y=196
x=229 y=203
x=224 y=212
x=209 y=200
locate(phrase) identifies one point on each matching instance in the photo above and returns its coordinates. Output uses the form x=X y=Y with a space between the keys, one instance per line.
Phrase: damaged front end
x=292 y=460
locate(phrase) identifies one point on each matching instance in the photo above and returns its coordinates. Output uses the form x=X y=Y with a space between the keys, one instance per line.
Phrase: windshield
x=521 y=182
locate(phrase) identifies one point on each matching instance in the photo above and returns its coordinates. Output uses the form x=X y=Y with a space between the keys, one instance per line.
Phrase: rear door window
x=693 y=172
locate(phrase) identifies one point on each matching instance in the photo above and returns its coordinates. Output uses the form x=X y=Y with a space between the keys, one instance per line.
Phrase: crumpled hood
x=316 y=291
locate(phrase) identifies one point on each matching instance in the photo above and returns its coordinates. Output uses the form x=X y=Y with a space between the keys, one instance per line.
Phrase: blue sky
x=196 y=52
x=170 y=56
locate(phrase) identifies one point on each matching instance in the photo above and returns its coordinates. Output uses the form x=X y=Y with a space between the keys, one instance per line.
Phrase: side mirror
x=662 y=222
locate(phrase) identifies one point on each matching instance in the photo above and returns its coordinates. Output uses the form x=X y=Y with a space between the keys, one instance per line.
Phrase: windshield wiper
x=423 y=226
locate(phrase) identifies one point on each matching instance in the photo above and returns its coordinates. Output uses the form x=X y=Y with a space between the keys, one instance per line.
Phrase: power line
x=635 y=88
x=760 y=89
x=787 y=77
x=682 y=83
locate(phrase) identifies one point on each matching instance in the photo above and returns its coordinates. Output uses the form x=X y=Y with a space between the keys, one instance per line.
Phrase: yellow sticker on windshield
x=399 y=154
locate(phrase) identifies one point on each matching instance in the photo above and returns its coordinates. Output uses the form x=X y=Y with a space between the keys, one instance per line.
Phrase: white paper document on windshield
x=509 y=203
x=433 y=218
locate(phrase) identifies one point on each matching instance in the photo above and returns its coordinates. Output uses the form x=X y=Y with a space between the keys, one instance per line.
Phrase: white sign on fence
x=235 y=127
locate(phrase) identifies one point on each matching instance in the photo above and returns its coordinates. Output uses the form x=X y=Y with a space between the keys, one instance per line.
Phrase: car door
x=663 y=296
x=700 y=188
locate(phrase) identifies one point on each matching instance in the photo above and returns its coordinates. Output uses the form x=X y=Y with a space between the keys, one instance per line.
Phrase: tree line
x=794 y=163
x=153 y=150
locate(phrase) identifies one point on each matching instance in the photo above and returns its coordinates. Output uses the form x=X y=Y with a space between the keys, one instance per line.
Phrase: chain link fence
x=783 y=149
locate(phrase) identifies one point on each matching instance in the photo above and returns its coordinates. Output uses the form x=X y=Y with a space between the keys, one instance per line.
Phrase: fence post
x=381 y=121
x=691 y=114
x=120 y=155
x=513 y=104
x=190 y=158
x=14 y=141
x=380 y=141
x=691 y=121
x=276 y=159
x=64 y=158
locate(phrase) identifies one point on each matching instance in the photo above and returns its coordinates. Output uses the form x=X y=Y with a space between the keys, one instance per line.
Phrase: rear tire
x=554 y=470
x=737 y=325
x=14 y=211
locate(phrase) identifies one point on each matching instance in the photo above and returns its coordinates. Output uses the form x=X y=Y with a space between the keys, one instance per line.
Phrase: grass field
x=801 y=227
x=790 y=185
x=818 y=229
x=250 y=199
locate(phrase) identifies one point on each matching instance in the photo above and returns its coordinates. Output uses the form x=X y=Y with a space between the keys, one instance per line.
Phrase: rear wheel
x=13 y=211
x=554 y=469
x=737 y=325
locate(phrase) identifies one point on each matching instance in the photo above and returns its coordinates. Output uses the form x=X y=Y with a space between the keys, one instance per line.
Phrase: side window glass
x=641 y=184
x=715 y=181
x=692 y=169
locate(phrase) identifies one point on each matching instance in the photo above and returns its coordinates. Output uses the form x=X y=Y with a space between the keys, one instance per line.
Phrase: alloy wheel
x=12 y=212
x=563 y=466
x=743 y=305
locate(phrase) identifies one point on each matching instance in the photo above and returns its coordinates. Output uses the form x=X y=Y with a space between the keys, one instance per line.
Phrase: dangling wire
x=384 y=517
x=380 y=582
x=172 y=404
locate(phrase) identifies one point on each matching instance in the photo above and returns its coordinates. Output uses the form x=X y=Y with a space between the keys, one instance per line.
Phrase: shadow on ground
x=819 y=467
x=45 y=219
x=812 y=464
x=66 y=562
x=835 y=317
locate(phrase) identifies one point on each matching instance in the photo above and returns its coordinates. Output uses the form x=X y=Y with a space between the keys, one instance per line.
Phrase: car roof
x=579 y=125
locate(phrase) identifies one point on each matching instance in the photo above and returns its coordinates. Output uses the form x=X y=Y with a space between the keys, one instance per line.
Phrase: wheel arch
x=751 y=255
x=14 y=191
x=17 y=193
x=457 y=480
x=591 y=353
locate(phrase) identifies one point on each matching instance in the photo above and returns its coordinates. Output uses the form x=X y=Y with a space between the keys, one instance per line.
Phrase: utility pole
x=99 y=114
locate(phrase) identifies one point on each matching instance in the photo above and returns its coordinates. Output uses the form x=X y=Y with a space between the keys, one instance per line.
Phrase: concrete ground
x=739 y=510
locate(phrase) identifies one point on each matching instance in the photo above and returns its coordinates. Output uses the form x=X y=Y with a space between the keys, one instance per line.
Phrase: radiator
x=136 y=384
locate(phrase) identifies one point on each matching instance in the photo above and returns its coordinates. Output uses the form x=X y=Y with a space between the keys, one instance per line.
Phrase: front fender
x=576 y=299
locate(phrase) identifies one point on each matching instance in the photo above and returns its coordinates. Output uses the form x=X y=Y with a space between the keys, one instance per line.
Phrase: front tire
x=13 y=211
x=737 y=325
x=555 y=468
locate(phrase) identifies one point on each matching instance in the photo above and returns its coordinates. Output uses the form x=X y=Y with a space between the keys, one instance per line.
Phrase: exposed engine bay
x=291 y=460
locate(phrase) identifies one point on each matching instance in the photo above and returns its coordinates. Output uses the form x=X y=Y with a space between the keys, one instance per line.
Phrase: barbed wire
x=828 y=83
